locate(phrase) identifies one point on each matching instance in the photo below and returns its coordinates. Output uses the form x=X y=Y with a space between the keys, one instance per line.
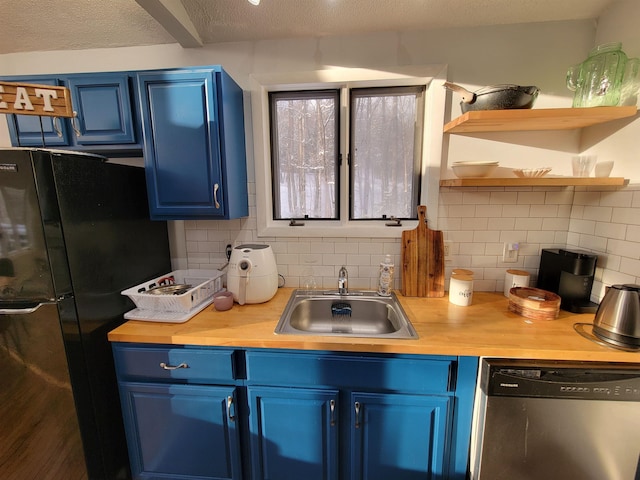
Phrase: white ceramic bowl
x=473 y=169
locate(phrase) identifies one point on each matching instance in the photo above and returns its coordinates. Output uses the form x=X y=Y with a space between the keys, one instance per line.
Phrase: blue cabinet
x=105 y=121
x=294 y=433
x=218 y=413
x=399 y=436
x=181 y=431
x=380 y=416
x=181 y=420
x=194 y=147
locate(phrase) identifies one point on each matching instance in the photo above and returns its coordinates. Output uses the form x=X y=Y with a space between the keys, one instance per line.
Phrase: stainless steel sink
x=356 y=314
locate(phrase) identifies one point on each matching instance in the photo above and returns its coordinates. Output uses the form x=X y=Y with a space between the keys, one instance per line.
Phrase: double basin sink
x=354 y=314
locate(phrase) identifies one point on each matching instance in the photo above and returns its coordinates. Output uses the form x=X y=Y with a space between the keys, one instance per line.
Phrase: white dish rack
x=174 y=308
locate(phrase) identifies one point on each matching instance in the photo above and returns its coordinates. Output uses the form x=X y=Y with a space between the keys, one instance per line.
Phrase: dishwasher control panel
x=584 y=380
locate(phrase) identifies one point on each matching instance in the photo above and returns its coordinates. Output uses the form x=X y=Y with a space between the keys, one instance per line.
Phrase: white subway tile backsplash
x=611 y=230
x=593 y=243
x=631 y=267
x=371 y=248
x=586 y=198
x=494 y=211
x=629 y=216
x=196 y=235
x=587 y=227
x=476 y=223
x=540 y=236
x=476 y=198
x=555 y=224
x=504 y=198
x=516 y=211
x=633 y=233
x=623 y=248
x=601 y=214
x=544 y=210
x=528 y=223
x=564 y=197
x=531 y=198
x=616 y=199
x=486 y=236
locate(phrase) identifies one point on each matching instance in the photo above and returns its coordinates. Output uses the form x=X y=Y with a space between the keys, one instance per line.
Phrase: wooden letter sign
x=30 y=99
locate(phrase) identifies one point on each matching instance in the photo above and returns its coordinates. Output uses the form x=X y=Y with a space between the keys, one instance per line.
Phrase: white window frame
x=431 y=76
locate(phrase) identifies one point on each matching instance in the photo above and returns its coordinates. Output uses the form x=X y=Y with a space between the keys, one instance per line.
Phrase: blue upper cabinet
x=35 y=131
x=106 y=121
x=104 y=111
x=194 y=147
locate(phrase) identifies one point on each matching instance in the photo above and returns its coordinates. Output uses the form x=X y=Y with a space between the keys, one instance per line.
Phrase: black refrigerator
x=74 y=233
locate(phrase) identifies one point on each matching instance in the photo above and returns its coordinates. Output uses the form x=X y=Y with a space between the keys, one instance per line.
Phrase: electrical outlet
x=510 y=252
x=447 y=249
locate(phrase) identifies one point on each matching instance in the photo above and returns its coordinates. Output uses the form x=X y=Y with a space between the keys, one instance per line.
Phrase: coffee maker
x=569 y=273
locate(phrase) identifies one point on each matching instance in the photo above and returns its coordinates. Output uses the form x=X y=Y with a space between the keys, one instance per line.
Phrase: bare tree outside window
x=304 y=145
x=385 y=152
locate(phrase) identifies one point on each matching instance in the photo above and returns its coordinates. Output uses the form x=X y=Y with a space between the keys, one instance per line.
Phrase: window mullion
x=345 y=169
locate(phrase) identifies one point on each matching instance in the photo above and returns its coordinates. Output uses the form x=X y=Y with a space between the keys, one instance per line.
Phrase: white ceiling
x=45 y=25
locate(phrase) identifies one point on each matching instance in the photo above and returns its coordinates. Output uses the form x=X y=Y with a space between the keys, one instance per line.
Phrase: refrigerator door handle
x=21 y=311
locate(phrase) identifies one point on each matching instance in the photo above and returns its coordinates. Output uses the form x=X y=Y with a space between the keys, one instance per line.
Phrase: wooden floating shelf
x=536 y=119
x=534 y=182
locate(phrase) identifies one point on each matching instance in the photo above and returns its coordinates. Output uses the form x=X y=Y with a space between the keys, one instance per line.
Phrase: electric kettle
x=252 y=275
x=618 y=317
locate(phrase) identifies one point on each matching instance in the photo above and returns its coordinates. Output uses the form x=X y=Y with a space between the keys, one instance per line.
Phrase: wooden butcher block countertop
x=485 y=328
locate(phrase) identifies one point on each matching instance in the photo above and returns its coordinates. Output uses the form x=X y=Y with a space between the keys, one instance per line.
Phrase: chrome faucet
x=343 y=281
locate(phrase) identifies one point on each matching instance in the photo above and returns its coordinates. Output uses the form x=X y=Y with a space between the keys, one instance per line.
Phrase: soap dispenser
x=385 y=280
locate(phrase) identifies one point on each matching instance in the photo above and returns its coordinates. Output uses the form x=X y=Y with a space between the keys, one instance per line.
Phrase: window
x=324 y=170
x=304 y=153
x=385 y=152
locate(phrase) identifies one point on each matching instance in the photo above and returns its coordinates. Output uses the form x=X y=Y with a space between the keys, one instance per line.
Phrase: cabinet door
x=398 y=436
x=181 y=431
x=294 y=433
x=35 y=131
x=103 y=107
x=181 y=143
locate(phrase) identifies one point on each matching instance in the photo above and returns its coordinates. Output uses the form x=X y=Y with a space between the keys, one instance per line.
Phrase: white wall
x=529 y=54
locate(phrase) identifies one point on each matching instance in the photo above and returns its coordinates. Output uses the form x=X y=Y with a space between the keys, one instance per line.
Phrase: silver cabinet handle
x=215 y=195
x=357 y=409
x=56 y=127
x=75 y=123
x=166 y=366
x=332 y=408
x=231 y=415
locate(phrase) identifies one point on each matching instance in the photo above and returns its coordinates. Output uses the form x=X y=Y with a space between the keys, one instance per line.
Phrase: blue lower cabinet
x=294 y=433
x=181 y=431
x=263 y=414
x=399 y=436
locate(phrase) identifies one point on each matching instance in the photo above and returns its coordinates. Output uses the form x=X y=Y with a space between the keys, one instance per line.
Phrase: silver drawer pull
x=216 y=187
x=230 y=413
x=357 y=412
x=332 y=407
x=173 y=367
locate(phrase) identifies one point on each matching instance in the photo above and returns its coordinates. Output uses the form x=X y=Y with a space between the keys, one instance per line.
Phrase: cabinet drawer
x=407 y=374
x=189 y=365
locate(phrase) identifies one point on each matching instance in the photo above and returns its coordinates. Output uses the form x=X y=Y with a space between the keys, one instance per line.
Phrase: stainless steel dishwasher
x=556 y=420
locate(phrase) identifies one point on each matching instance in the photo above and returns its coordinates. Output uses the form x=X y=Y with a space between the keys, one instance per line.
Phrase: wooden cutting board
x=422 y=252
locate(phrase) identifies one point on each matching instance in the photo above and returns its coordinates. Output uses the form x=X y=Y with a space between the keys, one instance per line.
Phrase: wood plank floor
x=39 y=436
